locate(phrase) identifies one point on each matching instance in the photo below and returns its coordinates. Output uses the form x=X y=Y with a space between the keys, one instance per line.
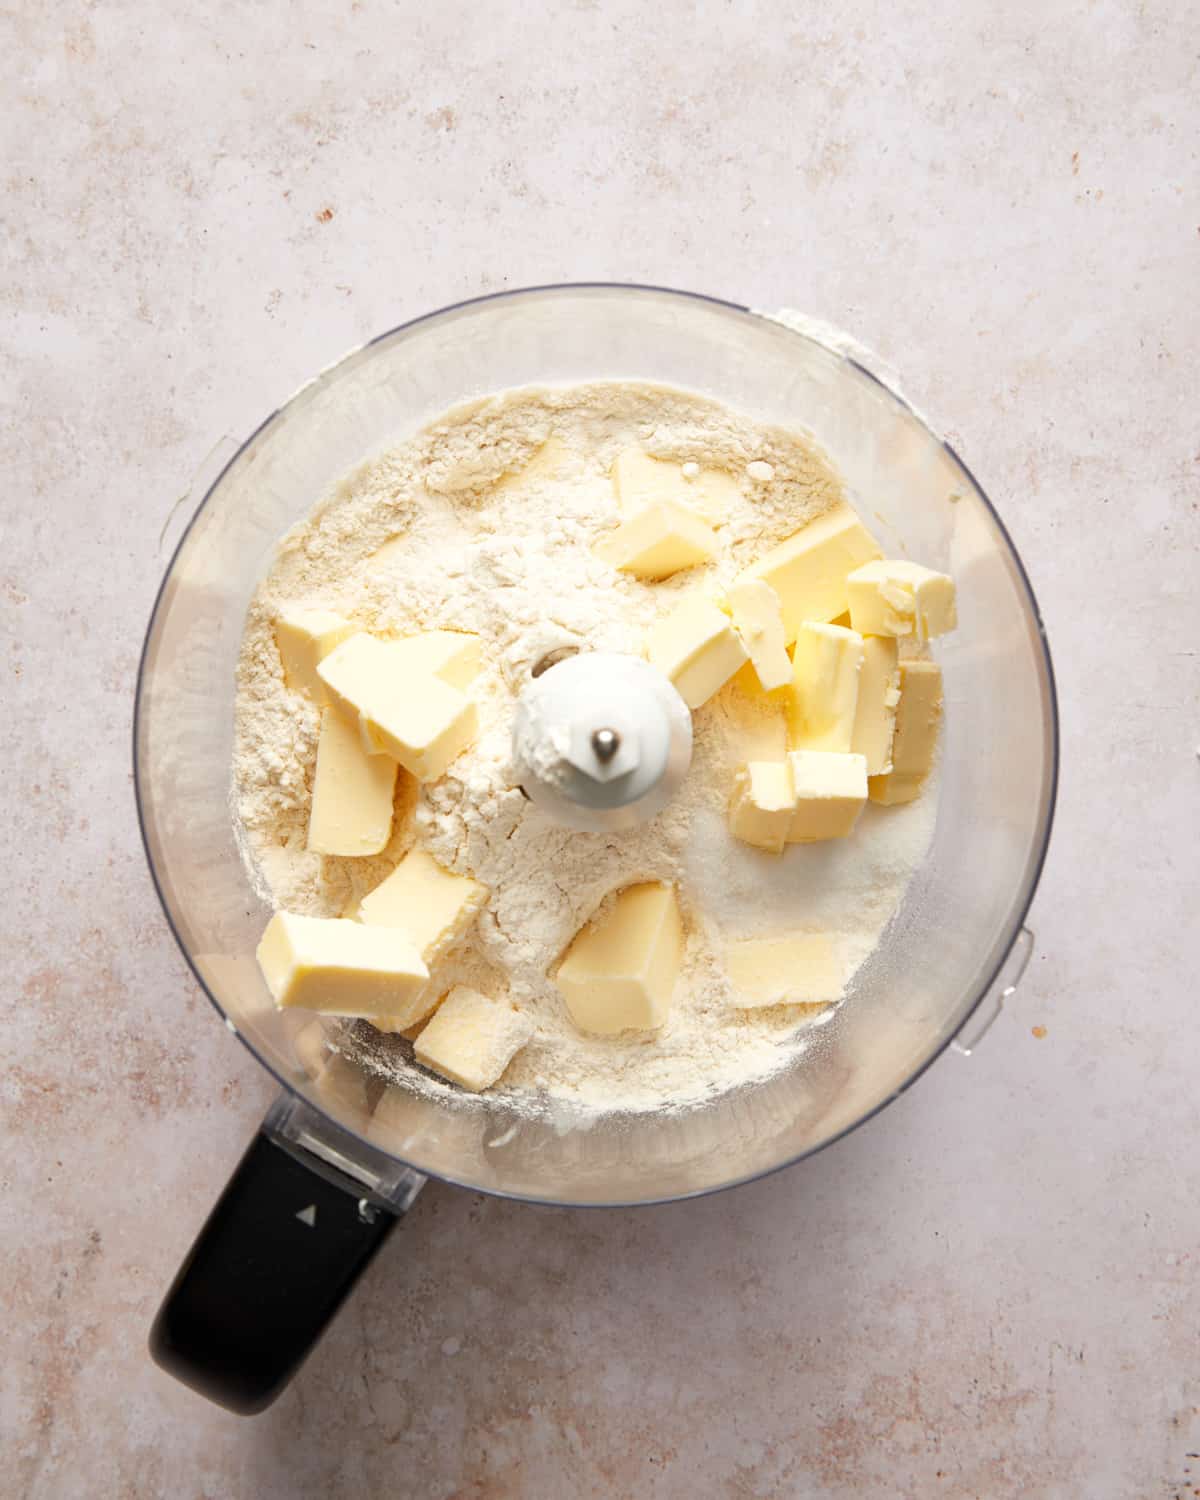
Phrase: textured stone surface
x=992 y=1289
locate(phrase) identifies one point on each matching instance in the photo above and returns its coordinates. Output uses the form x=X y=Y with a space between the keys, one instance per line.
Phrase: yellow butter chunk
x=918 y=715
x=410 y=1020
x=809 y=570
x=824 y=695
x=697 y=647
x=745 y=680
x=304 y=638
x=433 y=906
x=878 y=694
x=340 y=968
x=641 y=481
x=449 y=654
x=410 y=1033
x=758 y=619
x=383 y=557
x=547 y=462
x=352 y=794
x=763 y=803
x=901 y=598
x=620 y=971
x=830 y=791
x=420 y=721
x=471 y=1039
x=799 y=969
x=658 y=541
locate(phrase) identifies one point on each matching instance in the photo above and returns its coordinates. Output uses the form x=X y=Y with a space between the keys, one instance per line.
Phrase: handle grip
x=283 y=1247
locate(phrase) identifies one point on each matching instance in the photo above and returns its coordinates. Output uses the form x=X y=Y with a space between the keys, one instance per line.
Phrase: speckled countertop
x=994 y=1289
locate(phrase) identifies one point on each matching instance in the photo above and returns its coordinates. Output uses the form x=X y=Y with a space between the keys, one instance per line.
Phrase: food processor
x=334 y=1165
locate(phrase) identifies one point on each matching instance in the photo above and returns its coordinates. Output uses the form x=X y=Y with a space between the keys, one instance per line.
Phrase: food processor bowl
x=952 y=949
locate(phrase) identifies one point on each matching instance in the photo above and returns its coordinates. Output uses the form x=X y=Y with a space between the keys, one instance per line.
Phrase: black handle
x=278 y=1256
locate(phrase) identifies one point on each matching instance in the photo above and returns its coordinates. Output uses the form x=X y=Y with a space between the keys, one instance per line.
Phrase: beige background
x=993 y=1289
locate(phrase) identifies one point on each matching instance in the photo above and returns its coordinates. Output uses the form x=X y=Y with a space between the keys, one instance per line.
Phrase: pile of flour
x=483 y=522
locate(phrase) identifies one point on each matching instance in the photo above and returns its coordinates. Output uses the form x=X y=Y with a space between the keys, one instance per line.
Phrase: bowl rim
x=1035 y=865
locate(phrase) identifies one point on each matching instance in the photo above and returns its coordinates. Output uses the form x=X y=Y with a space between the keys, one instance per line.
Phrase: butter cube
x=878 y=694
x=763 y=804
x=697 y=647
x=352 y=794
x=471 y=1039
x=831 y=792
x=548 y=462
x=799 y=969
x=305 y=637
x=423 y=722
x=434 y=907
x=809 y=570
x=409 y=1033
x=824 y=695
x=340 y=968
x=901 y=598
x=658 y=541
x=758 y=619
x=620 y=971
x=918 y=715
x=745 y=680
x=405 y=1025
x=641 y=481
x=383 y=557
x=449 y=654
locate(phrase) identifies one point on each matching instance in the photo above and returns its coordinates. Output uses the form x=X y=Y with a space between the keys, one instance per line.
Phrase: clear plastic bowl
x=945 y=950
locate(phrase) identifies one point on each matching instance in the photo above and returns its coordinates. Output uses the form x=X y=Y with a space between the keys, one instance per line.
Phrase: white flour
x=483 y=523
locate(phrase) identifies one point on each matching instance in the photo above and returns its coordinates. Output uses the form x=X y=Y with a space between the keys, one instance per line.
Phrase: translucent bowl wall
x=965 y=907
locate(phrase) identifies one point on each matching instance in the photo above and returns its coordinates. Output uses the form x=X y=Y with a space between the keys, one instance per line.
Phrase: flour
x=484 y=523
